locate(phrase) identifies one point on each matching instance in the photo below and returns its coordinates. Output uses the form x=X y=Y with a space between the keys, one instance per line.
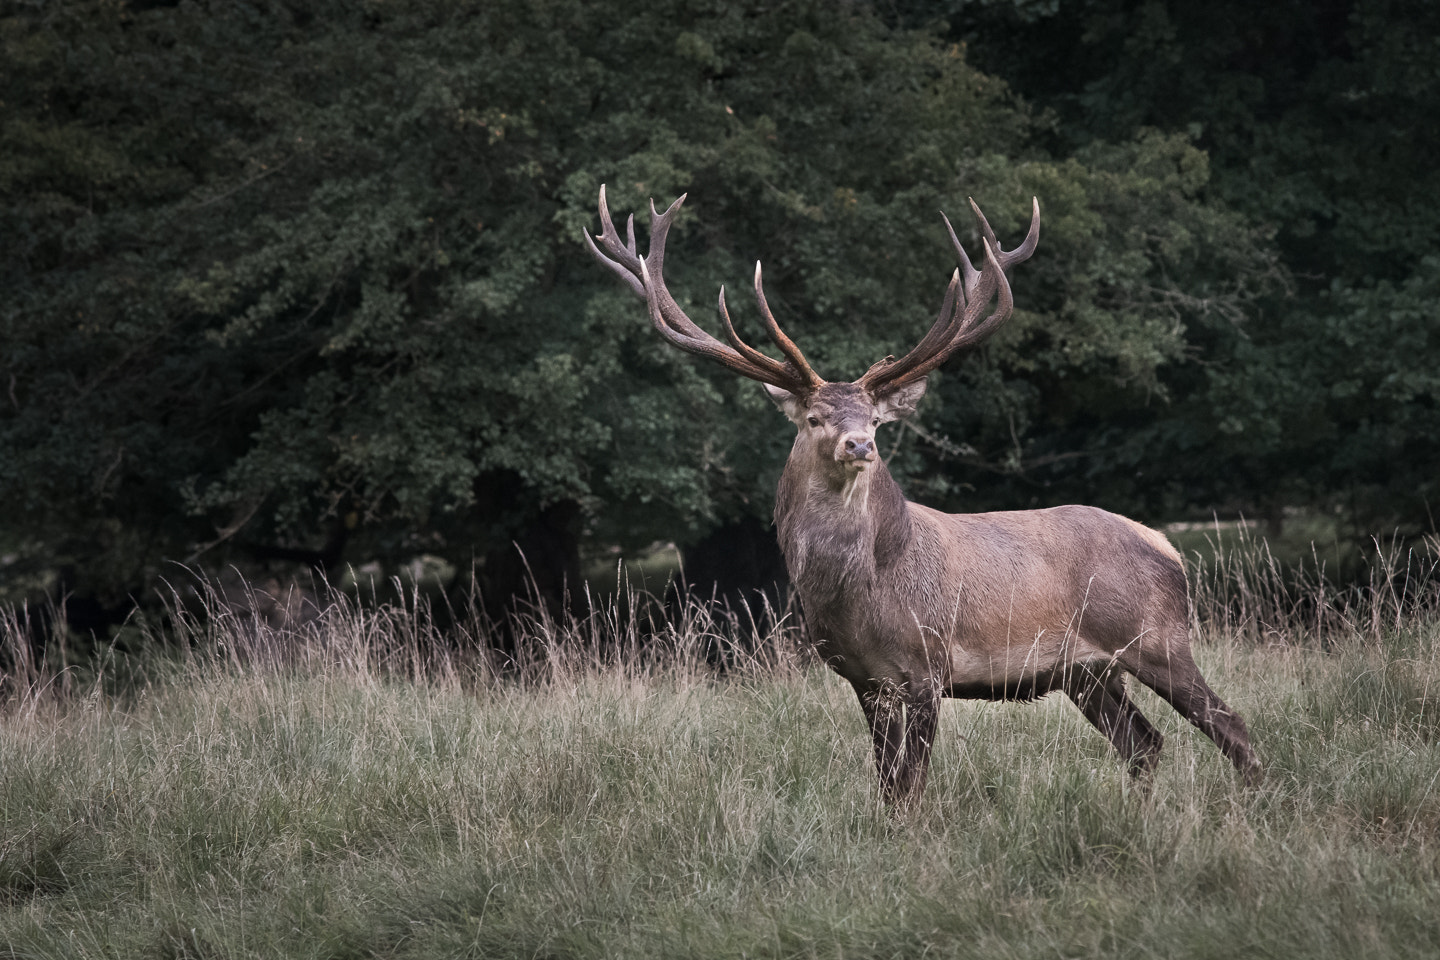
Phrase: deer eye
x=875 y=422
x=814 y=421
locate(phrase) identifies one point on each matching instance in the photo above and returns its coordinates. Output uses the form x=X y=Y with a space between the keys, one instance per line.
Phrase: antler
x=959 y=323
x=645 y=276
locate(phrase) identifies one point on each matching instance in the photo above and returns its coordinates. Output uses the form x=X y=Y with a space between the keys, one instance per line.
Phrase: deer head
x=836 y=421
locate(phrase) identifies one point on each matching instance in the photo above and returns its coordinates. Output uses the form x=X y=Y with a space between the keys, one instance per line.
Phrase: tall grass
x=1244 y=592
x=317 y=629
x=355 y=782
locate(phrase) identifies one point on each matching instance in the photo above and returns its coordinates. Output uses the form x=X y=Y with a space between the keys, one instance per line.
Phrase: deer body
x=984 y=605
x=910 y=604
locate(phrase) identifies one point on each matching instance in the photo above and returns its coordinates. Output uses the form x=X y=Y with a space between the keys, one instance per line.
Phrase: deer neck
x=839 y=532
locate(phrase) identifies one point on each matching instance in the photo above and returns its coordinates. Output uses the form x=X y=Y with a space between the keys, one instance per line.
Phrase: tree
x=309 y=285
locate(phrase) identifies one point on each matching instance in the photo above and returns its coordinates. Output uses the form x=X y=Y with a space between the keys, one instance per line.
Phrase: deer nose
x=859 y=448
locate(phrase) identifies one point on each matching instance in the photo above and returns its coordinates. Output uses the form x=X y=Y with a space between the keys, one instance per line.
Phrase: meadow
x=355 y=785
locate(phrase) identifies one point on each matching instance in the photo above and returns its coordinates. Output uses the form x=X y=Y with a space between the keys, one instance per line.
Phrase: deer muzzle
x=856 y=448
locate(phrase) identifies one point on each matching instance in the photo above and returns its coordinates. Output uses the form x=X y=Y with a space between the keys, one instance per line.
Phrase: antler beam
x=959 y=323
x=645 y=276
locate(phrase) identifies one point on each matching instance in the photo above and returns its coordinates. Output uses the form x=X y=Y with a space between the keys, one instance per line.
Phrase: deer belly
x=1017 y=668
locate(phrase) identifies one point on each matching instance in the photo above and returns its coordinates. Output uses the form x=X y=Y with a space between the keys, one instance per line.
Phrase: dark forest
x=304 y=284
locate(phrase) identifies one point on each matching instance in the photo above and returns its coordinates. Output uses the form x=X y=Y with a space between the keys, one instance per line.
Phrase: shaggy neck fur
x=838 y=529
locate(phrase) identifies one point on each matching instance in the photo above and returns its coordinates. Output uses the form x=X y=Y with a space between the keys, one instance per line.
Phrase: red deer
x=910 y=604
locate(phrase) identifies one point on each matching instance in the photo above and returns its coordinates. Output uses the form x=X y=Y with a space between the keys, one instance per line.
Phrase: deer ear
x=789 y=404
x=899 y=403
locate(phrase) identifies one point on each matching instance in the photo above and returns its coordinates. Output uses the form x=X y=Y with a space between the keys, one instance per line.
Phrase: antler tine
x=972 y=332
x=655 y=260
x=786 y=345
x=625 y=264
x=963 y=328
x=970 y=329
x=951 y=309
x=940 y=331
x=630 y=261
x=769 y=371
x=1020 y=253
x=662 y=325
x=610 y=238
x=959 y=324
x=967 y=269
x=747 y=351
x=932 y=350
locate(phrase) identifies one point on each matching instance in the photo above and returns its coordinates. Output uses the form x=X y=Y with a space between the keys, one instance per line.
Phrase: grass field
x=349 y=788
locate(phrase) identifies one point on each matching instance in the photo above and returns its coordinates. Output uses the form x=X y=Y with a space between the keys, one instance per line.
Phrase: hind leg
x=1106 y=704
x=1170 y=671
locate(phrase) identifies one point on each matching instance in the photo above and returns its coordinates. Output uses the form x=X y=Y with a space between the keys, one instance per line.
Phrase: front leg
x=885 y=715
x=902 y=725
x=922 y=716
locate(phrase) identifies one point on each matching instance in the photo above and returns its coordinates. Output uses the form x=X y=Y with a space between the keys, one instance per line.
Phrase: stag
x=910 y=604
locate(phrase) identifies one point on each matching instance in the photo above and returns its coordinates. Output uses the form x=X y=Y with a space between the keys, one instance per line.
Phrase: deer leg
x=1170 y=671
x=922 y=716
x=1105 y=703
x=885 y=715
x=902 y=726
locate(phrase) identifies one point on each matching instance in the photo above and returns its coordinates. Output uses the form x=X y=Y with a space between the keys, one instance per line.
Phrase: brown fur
x=910 y=604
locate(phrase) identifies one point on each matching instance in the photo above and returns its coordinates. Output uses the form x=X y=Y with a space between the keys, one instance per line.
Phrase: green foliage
x=1319 y=120
x=1345 y=389
x=1139 y=277
x=330 y=284
x=308 y=281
